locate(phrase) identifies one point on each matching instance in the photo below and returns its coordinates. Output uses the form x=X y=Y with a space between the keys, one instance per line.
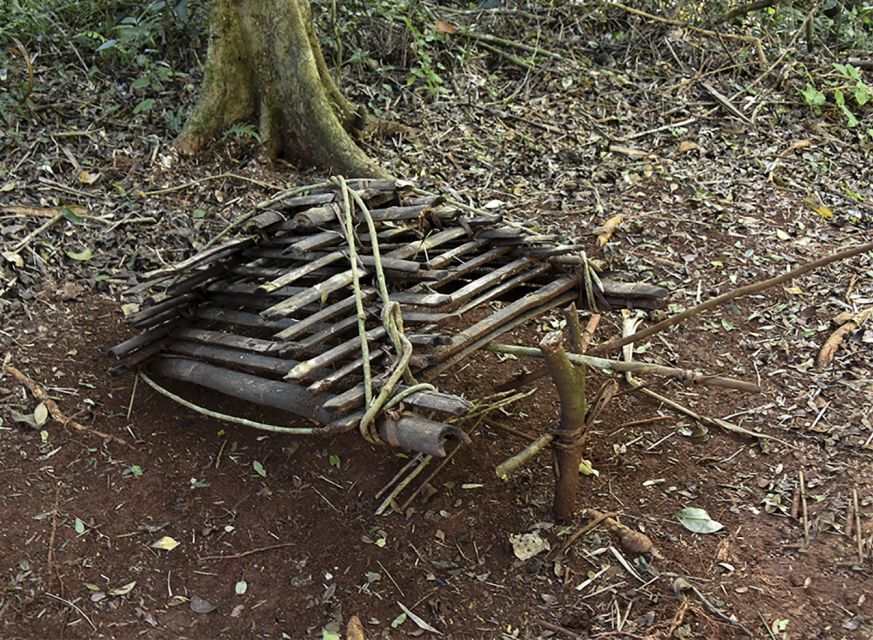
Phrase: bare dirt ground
x=277 y=537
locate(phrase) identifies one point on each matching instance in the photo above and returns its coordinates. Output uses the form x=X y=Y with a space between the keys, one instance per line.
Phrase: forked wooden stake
x=569 y=380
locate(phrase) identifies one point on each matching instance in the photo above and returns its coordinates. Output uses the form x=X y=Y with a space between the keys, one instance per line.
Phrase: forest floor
x=277 y=537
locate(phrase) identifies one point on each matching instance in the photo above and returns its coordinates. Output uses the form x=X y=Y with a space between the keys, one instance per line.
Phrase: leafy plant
x=846 y=86
x=242 y=131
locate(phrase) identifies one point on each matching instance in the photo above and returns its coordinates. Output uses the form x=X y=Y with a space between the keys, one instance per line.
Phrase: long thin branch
x=54 y=411
x=740 y=11
x=755 y=287
x=686 y=375
x=706 y=32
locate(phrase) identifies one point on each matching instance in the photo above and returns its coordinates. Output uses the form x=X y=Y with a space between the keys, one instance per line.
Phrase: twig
x=250 y=552
x=588 y=333
x=220 y=176
x=554 y=627
x=70 y=604
x=433 y=473
x=804 y=512
x=706 y=32
x=499 y=425
x=36 y=232
x=685 y=375
x=782 y=56
x=389 y=499
x=590 y=526
x=40 y=394
x=512 y=464
x=628 y=327
x=858 y=539
x=50 y=562
x=495 y=40
x=740 y=11
x=724 y=101
x=636 y=423
x=223 y=416
x=732 y=295
x=415 y=459
x=391 y=578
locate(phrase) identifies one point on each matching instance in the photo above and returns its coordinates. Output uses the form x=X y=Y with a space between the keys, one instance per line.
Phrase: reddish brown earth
x=79 y=515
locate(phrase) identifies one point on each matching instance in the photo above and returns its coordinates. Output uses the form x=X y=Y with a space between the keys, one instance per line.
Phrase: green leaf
x=698 y=520
x=327 y=634
x=70 y=215
x=82 y=256
x=259 y=469
x=135 y=470
x=23 y=418
x=140 y=83
x=861 y=94
x=79 y=526
x=198 y=213
x=335 y=461
x=396 y=622
x=813 y=96
x=241 y=587
x=144 y=105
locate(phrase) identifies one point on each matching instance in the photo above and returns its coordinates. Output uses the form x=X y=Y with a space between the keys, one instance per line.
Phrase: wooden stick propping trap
x=276 y=318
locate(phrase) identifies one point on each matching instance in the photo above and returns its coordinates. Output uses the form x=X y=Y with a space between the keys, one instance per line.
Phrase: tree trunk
x=264 y=62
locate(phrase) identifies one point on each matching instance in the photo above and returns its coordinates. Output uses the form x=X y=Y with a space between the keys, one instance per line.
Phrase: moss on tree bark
x=264 y=62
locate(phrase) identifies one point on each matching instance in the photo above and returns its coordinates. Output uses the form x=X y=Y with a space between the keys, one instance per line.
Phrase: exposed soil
x=277 y=536
x=448 y=559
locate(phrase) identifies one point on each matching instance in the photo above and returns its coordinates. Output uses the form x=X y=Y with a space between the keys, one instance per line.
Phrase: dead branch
x=250 y=552
x=54 y=411
x=512 y=464
x=738 y=12
x=685 y=375
x=843 y=254
x=759 y=49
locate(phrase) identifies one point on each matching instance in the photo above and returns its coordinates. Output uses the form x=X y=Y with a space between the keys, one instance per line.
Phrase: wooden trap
x=271 y=318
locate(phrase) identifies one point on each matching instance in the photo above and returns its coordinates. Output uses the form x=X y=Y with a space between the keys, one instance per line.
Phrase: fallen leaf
x=355 y=630
x=199 y=605
x=688 y=145
x=14 y=258
x=698 y=520
x=40 y=414
x=526 y=545
x=445 y=27
x=605 y=231
x=88 y=178
x=123 y=591
x=166 y=543
x=82 y=256
x=815 y=203
x=421 y=624
x=795 y=146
